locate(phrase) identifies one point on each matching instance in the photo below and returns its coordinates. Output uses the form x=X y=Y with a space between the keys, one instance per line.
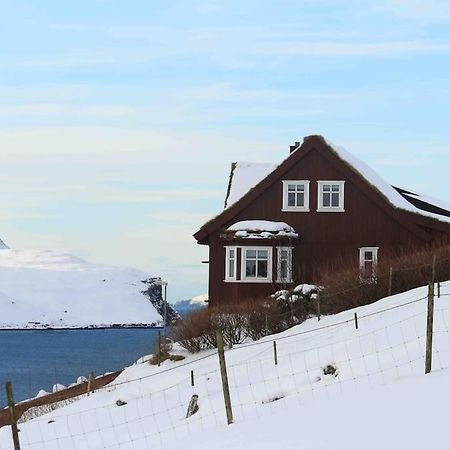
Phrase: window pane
x=250 y=268
x=231 y=254
x=284 y=254
x=368 y=256
x=231 y=268
x=291 y=187
x=300 y=188
x=283 y=269
x=326 y=188
x=335 y=187
x=300 y=199
x=262 y=268
x=250 y=254
x=335 y=199
x=263 y=254
x=326 y=200
x=291 y=199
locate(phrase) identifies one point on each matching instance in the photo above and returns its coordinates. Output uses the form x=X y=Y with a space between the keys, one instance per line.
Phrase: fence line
x=312 y=365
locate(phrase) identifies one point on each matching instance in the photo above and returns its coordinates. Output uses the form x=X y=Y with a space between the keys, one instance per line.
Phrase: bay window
x=284 y=266
x=256 y=264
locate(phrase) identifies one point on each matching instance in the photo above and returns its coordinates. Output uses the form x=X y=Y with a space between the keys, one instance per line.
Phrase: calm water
x=35 y=360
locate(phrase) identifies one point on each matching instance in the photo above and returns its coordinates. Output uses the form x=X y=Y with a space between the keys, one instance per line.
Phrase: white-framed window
x=256 y=264
x=284 y=265
x=295 y=195
x=368 y=261
x=330 y=196
x=230 y=263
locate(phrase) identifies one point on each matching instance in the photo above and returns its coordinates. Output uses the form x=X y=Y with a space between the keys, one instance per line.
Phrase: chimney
x=294 y=147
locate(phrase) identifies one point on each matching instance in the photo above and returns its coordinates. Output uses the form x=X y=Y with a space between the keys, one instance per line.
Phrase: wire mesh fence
x=320 y=361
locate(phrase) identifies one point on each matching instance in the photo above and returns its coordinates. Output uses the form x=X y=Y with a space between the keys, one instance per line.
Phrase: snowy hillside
x=334 y=386
x=42 y=289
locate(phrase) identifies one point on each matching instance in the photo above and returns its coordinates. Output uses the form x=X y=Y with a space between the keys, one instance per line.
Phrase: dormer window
x=295 y=195
x=330 y=196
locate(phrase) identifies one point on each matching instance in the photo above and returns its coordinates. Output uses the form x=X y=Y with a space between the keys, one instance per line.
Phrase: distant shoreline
x=92 y=327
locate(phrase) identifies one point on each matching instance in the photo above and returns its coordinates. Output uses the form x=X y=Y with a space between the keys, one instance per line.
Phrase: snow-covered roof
x=244 y=176
x=262 y=229
x=389 y=192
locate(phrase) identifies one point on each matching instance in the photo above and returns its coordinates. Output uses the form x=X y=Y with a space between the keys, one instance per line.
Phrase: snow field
x=388 y=347
x=46 y=289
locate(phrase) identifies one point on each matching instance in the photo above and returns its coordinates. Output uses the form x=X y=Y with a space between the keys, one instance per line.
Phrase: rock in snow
x=46 y=289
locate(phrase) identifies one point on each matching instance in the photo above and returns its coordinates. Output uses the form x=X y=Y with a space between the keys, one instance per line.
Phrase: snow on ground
x=334 y=386
x=41 y=289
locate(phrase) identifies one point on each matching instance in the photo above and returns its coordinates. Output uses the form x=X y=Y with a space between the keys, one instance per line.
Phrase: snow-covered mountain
x=47 y=289
x=184 y=307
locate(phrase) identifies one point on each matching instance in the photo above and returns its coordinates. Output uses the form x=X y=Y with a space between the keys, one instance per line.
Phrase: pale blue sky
x=118 y=120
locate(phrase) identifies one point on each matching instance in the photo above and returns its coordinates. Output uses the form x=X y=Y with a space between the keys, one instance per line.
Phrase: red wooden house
x=283 y=223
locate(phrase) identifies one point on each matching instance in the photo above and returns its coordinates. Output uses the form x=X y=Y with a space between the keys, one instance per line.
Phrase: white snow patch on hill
x=378 y=398
x=42 y=289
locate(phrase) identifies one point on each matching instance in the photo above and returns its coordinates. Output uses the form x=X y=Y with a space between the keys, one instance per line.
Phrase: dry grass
x=343 y=289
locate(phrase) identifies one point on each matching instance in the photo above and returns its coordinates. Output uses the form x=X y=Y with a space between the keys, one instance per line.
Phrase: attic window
x=330 y=196
x=295 y=195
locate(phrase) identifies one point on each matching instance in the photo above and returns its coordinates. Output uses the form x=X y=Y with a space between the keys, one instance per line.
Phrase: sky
x=119 y=120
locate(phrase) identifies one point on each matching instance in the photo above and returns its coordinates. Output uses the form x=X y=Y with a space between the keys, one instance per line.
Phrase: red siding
x=324 y=237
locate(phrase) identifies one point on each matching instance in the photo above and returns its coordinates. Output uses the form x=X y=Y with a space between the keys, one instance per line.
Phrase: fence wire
x=314 y=364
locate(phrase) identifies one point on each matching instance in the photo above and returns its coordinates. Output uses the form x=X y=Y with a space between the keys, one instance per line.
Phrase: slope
x=46 y=289
x=334 y=386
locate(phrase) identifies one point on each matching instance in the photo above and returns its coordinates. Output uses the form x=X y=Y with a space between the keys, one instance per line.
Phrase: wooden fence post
x=439 y=289
x=390 y=282
x=192 y=378
x=275 y=354
x=12 y=412
x=430 y=313
x=193 y=406
x=159 y=348
x=223 y=373
x=318 y=307
x=91 y=383
x=433 y=269
x=356 y=321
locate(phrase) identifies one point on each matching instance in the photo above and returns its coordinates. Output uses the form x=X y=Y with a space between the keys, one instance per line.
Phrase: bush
x=238 y=322
x=162 y=353
x=344 y=289
x=195 y=332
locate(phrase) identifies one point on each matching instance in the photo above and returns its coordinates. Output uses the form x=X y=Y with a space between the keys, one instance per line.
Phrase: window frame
x=246 y=279
x=286 y=207
x=362 y=261
x=288 y=279
x=227 y=263
x=320 y=185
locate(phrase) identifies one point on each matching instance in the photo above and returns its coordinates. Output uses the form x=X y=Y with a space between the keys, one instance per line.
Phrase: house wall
x=325 y=237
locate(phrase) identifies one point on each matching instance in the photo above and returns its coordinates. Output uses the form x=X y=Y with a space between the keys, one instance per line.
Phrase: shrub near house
x=320 y=210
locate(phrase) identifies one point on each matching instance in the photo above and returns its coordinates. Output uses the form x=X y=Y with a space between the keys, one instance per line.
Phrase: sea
x=37 y=360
